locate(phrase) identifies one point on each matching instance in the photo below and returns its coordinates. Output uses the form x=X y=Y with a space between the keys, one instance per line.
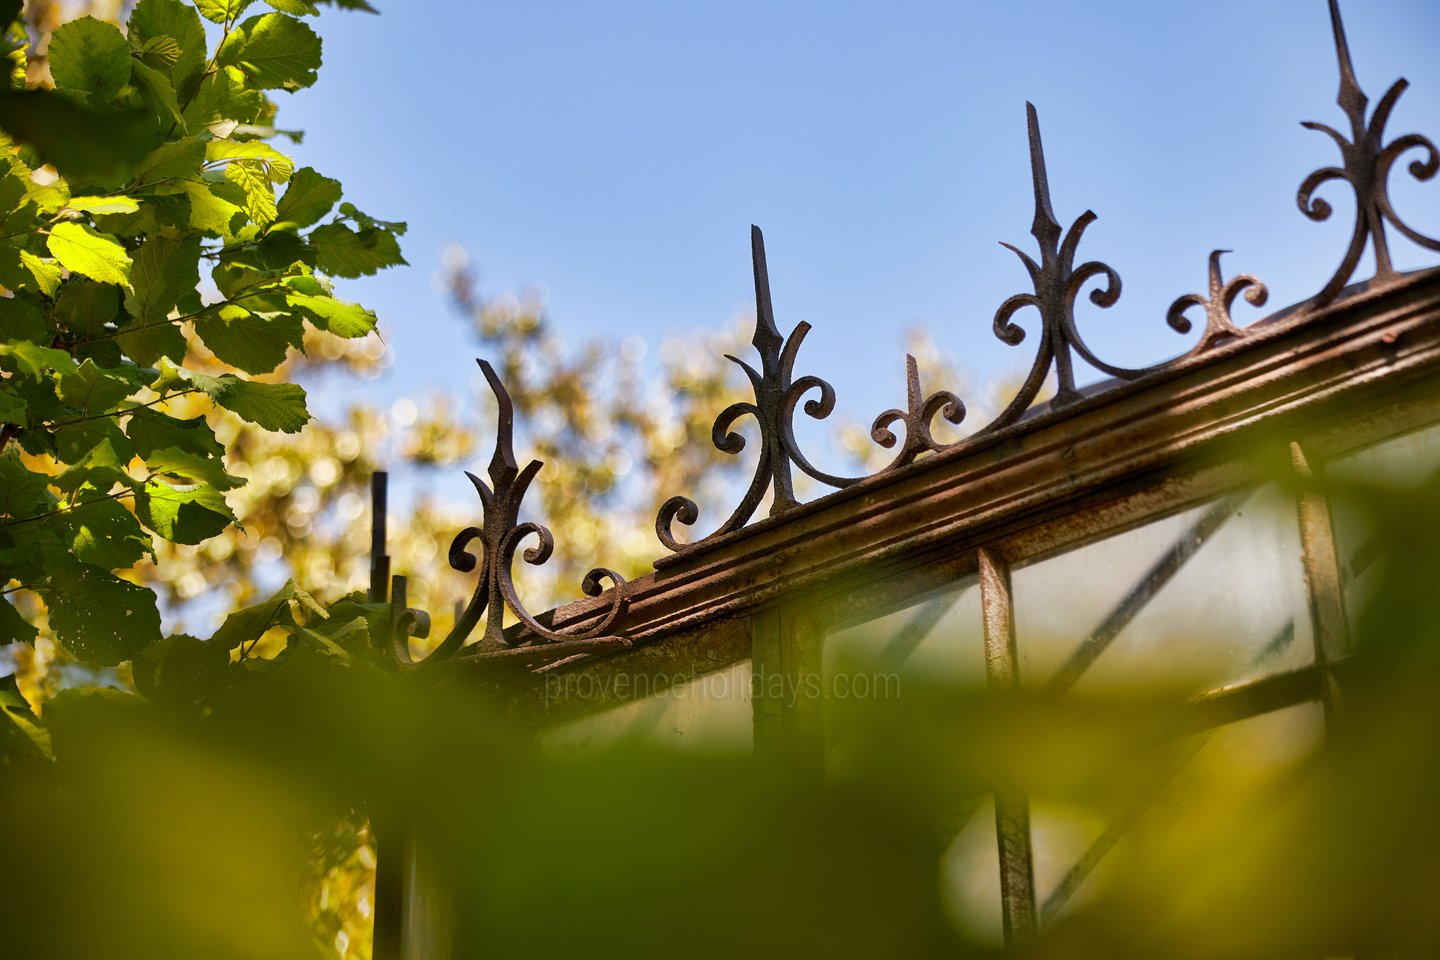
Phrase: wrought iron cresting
x=1057 y=283
x=499 y=536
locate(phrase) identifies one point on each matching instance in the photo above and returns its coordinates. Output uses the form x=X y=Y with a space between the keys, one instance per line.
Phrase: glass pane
x=1199 y=600
x=970 y=873
x=1404 y=463
x=936 y=635
x=1213 y=784
x=934 y=638
x=707 y=713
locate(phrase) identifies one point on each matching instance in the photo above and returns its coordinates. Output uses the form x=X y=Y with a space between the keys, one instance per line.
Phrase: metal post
x=1322 y=578
x=1012 y=810
x=379 y=560
x=389 y=843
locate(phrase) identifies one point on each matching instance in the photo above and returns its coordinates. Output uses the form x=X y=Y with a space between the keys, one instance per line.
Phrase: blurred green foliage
x=154 y=833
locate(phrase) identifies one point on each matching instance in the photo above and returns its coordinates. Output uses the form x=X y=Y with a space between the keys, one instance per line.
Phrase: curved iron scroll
x=1367 y=160
x=1057 y=283
x=499 y=537
x=1218 y=323
x=919 y=413
x=776 y=397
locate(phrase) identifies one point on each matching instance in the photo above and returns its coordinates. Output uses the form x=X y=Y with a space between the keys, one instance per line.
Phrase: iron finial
x=776 y=397
x=1056 y=284
x=1365 y=165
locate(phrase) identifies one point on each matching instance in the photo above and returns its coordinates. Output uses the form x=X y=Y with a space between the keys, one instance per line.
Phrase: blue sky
x=616 y=154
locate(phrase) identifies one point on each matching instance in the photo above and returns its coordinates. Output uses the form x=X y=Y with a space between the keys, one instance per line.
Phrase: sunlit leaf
x=81 y=249
x=99 y=617
x=90 y=57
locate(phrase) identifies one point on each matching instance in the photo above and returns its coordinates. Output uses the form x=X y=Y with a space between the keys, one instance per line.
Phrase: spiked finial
x=767 y=337
x=1351 y=98
x=1366 y=160
x=1046 y=228
x=502 y=464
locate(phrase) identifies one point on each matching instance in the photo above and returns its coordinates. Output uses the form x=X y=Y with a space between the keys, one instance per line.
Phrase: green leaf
x=188 y=515
x=92 y=390
x=176 y=160
x=74 y=442
x=180 y=670
x=147 y=345
x=223 y=100
x=187 y=466
x=274 y=51
x=158 y=19
x=84 y=307
x=81 y=142
x=49 y=197
x=249 y=624
x=342 y=252
x=219 y=11
x=103 y=533
x=160 y=94
x=21 y=318
x=273 y=406
x=151 y=431
x=80 y=249
x=116 y=204
x=98 y=617
x=308 y=198
x=22 y=493
x=349 y=320
x=100 y=468
x=210 y=211
x=23 y=738
x=253 y=343
x=277 y=250
x=274 y=165
x=14 y=410
x=90 y=57
x=46 y=272
x=259 y=193
x=165 y=271
x=29 y=551
x=348 y=209
x=33 y=361
x=300 y=8
x=13 y=629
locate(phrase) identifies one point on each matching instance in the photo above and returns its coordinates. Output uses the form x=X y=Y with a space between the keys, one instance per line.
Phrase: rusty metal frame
x=1355 y=364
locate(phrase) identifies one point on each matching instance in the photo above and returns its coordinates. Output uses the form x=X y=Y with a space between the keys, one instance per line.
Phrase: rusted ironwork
x=1057 y=283
x=379 y=559
x=776 y=397
x=1366 y=163
x=919 y=413
x=1218 y=321
x=499 y=536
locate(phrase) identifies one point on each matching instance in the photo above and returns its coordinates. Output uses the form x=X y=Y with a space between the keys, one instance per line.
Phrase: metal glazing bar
x=1139 y=595
x=1012 y=810
x=1155 y=785
x=787 y=695
x=905 y=641
x=1207 y=711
